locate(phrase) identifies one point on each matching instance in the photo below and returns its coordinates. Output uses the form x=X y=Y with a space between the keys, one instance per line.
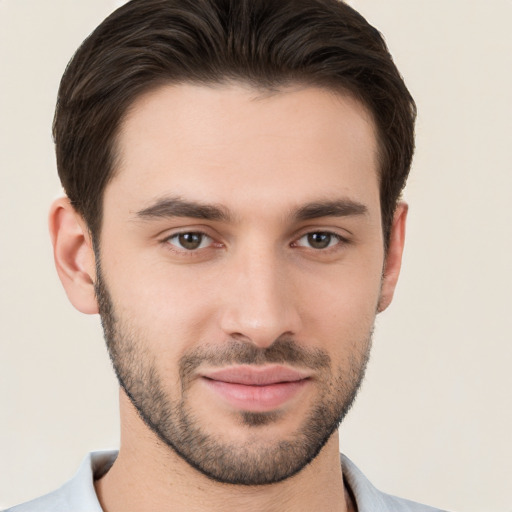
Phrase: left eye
x=190 y=241
x=319 y=240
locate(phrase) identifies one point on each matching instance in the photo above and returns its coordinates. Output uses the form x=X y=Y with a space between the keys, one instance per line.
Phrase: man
x=233 y=172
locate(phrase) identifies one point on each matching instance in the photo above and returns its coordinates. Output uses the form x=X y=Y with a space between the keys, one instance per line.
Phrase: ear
x=394 y=257
x=73 y=254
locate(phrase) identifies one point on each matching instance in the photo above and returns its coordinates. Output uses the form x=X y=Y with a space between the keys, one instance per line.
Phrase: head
x=234 y=170
x=265 y=44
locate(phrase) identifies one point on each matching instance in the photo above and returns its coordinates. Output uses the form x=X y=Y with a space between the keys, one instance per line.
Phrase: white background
x=434 y=420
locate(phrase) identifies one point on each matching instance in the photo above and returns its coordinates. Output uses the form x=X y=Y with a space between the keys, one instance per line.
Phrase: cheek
x=168 y=311
x=341 y=312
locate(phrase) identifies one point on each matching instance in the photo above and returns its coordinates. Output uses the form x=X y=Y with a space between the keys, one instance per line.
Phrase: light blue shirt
x=78 y=494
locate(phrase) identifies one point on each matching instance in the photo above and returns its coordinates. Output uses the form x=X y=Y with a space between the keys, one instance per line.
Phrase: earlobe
x=393 y=261
x=73 y=254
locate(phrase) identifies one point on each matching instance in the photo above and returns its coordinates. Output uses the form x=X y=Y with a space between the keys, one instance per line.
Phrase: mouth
x=256 y=389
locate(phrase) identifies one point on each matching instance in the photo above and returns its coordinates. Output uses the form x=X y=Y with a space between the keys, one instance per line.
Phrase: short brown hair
x=267 y=43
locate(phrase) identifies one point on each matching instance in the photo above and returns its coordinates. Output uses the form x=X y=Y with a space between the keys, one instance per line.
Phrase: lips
x=256 y=389
x=256 y=376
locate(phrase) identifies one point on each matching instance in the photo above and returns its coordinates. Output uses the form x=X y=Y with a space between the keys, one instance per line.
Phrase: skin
x=256 y=278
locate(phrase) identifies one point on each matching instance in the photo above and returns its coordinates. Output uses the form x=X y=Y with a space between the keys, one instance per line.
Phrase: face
x=241 y=260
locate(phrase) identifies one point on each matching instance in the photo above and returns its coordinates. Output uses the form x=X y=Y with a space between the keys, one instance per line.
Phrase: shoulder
x=370 y=499
x=402 y=505
x=78 y=494
x=52 y=502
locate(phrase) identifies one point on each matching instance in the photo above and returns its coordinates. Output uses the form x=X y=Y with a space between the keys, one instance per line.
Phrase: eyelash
x=184 y=250
x=339 y=241
x=332 y=237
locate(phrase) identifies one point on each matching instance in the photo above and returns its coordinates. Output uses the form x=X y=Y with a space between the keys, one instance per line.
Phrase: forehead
x=236 y=144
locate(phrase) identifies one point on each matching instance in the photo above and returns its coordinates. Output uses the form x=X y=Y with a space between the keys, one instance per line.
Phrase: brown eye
x=319 y=240
x=190 y=241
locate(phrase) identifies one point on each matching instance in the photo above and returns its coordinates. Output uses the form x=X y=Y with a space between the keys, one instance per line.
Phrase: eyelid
x=169 y=232
x=332 y=235
x=341 y=240
x=177 y=235
x=342 y=234
x=165 y=241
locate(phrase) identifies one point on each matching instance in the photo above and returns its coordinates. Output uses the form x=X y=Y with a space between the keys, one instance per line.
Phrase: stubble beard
x=175 y=424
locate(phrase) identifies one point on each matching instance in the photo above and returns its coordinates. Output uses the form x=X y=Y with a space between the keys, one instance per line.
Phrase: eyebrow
x=336 y=208
x=177 y=207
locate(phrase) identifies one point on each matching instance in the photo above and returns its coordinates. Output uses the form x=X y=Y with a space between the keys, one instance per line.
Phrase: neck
x=148 y=475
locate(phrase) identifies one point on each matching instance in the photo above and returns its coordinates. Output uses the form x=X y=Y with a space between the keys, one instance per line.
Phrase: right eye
x=190 y=240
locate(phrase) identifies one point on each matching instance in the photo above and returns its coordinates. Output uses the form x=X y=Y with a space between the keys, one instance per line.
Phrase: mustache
x=282 y=351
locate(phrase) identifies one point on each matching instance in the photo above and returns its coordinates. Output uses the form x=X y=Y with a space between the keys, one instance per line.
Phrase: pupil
x=190 y=240
x=319 y=240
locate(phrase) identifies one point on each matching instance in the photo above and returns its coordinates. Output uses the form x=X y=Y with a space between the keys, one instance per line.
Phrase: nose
x=260 y=304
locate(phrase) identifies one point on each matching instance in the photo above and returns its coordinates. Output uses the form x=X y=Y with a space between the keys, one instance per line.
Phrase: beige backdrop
x=434 y=419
